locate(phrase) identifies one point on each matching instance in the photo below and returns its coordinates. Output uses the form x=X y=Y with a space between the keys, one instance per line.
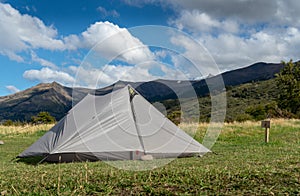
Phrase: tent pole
x=132 y=94
x=42 y=160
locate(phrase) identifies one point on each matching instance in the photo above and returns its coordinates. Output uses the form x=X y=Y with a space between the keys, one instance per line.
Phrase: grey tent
x=121 y=125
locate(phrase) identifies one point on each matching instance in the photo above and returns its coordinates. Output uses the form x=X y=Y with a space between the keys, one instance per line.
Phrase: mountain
x=58 y=99
x=52 y=97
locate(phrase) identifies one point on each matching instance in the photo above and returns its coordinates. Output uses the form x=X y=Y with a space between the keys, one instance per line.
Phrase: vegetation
x=8 y=123
x=174 y=116
x=289 y=82
x=274 y=98
x=251 y=101
x=43 y=118
x=242 y=164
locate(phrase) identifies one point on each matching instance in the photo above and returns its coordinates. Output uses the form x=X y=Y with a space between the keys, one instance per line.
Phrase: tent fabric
x=121 y=125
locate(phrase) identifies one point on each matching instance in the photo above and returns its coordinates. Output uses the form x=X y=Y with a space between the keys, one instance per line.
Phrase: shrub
x=8 y=123
x=257 y=112
x=175 y=117
x=43 y=118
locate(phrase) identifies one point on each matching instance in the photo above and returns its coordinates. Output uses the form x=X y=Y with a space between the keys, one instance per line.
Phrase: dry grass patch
x=10 y=130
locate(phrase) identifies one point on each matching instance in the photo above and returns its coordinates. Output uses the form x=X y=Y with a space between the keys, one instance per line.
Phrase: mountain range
x=58 y=100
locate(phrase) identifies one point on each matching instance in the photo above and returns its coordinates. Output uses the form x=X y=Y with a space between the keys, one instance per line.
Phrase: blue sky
x=94 y=43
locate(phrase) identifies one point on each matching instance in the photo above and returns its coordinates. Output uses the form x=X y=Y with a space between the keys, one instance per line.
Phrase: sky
x=93 y=43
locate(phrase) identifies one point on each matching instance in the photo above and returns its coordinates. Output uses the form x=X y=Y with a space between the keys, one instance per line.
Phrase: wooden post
x=267 y=132
x=266 y=124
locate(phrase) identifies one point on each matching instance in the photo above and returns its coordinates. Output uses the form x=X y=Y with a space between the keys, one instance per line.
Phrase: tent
x=121 y=125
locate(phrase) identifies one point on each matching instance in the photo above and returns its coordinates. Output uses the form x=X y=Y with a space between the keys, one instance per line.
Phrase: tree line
x=41 y=118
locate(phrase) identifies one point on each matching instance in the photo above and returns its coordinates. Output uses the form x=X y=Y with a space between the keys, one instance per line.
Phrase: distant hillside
x=53 y=98
x=259 y=97
x=57 y=99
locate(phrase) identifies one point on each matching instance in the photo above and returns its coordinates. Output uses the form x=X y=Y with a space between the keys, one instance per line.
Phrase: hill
x=52 y=97
x=58 y=99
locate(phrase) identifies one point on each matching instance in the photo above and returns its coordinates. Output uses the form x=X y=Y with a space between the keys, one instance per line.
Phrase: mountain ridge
x=58 y=99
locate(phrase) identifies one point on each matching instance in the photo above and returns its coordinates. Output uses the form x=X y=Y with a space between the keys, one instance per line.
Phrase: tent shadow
x=31 y=160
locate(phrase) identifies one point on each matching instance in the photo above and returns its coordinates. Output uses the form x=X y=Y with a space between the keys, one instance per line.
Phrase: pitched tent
x=121 y=125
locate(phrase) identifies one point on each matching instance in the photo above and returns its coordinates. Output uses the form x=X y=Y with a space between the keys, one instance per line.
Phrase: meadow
x=241 y=164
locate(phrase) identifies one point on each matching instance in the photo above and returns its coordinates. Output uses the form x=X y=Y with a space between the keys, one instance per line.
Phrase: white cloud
x=193 y=19
x=95 y=78
x=199 y=58
x=238 y=38
x=140 y=3
x=12 y=89
x=111 y=41
x=92 y=77
x=23 y=32
x=41 y=61
x=48 y=75
x=197 y=22
x=105 y=13
x=269 y=45
x=283 y=12
x=12 y=56
x=237 y=32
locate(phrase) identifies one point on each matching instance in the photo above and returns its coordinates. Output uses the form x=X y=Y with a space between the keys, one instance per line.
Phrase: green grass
x=241 y=165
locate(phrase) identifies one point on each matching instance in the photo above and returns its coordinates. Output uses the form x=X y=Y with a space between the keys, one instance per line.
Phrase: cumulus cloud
x=49 y=75
x=111 y=41
x=23 y=32
x=12 y=89
x=246 y=10
x=238 y=33
x=283 y=12
x=197 y=22
x=94 y=77
x=269 y=45
x=235 y=32
x=196 y=54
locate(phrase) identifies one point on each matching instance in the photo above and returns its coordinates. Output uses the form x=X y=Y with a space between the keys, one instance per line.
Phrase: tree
x=288 y=80
x=43 y=118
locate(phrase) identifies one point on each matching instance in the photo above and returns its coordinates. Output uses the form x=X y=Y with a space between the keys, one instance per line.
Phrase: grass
x=242 y=164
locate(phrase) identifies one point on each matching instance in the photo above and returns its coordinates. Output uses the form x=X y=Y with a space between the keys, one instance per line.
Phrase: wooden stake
x=267 y=132
x=266 y=124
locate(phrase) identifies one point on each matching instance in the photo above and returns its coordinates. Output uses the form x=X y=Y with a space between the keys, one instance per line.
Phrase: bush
x=43 y=118
x=175 y=117
x=257 y=112
x=8 y=123
x=243 y=117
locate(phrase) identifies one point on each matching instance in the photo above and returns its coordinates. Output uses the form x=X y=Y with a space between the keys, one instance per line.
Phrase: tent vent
x=132 y=92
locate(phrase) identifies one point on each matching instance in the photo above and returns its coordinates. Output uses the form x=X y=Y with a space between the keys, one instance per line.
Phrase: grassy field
x=242 y=164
